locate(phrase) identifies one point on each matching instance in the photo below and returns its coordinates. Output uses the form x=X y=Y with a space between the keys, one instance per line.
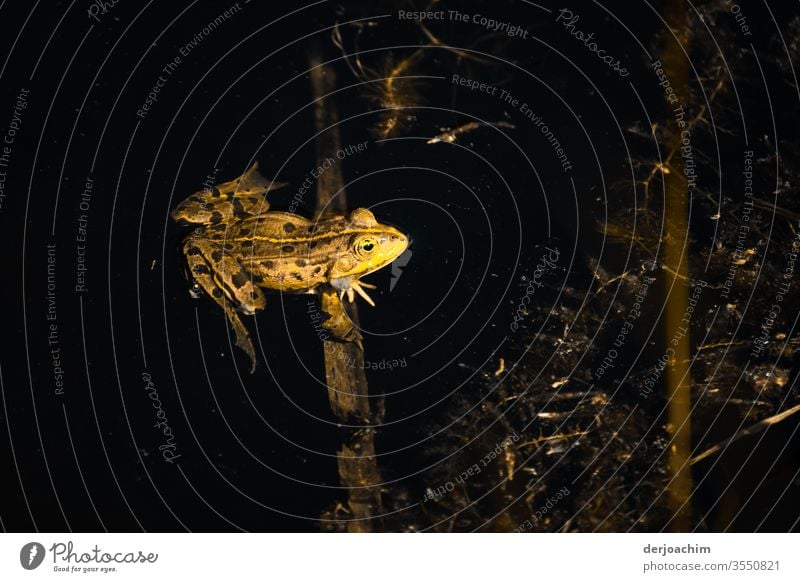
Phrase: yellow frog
x=240 y=247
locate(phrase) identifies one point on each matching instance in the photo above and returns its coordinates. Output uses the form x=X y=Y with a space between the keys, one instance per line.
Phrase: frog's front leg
x=200 y=256
x=337 y=321
x=350 y=285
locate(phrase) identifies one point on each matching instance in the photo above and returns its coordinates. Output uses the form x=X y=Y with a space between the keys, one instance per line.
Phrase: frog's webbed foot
x=242 y=336
x=238 y=199
x=251 y=183
x=337 y=321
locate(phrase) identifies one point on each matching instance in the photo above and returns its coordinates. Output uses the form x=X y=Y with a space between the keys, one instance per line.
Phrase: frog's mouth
x=391 y=245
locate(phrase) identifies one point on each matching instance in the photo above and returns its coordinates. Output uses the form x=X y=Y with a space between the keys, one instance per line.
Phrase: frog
x=239 y=248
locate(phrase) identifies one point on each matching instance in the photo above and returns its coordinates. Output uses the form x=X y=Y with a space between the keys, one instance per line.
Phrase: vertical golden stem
x=676 y=255
x=348 y=391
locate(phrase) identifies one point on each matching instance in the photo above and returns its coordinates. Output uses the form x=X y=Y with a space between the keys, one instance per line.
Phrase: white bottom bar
x=401 y=557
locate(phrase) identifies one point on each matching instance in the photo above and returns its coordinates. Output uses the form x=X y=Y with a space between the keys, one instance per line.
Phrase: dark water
x=259 y=452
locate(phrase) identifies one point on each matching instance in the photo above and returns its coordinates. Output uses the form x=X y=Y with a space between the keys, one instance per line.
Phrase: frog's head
x=370 y=246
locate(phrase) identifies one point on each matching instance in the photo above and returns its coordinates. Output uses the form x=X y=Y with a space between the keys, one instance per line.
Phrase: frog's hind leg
x=244 y=196
x=240 y=287
x=204 y=278
x=238 y=199
x=251 y=183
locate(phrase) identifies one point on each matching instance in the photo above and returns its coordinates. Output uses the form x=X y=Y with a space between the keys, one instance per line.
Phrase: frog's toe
x=358 y=286
x=253 y=305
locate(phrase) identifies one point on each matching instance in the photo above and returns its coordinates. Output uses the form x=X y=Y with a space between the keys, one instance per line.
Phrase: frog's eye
x=365 y=247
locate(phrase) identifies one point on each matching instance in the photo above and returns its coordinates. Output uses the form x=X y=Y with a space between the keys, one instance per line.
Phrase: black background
x=257 y=452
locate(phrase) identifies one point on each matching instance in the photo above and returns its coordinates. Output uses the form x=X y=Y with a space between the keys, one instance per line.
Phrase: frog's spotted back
x=241 y=198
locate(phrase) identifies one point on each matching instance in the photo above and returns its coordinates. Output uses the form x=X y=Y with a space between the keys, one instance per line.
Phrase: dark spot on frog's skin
x=228 y=246
x=217 y=292
x=253 y=295
x=244 y=232
x=215 y=193
x=318 y=270
x=297 y=276
x=216 y=256
x=268 y=264
x=200 y=270
x=216 y=217
x=257 y=278
x=240 y=279
x=218 y=228
x=312 y=244
x=193 y=252
x=301 y=262
x=238 y=208
x=288 y=227
x=287 y=249
x=246 y=243
x=196 y=199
